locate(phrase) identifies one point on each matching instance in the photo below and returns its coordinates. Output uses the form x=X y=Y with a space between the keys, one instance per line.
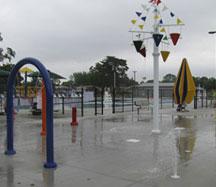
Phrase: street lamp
x=134 y=76
x=213 y=32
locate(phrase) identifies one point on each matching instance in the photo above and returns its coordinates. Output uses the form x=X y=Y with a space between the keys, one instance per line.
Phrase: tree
x=102 y=74
x=150 y=81
x=3 y=80
x=207 y=83
x=169 y=78
x=8 y=55
x=143 y=80
x=105 y=70
x=82 y=78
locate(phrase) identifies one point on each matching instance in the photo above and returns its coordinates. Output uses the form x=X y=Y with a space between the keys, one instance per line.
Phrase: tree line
x=108 y=72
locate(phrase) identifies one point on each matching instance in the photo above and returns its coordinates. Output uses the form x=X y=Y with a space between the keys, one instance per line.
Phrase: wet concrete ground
x=116 y=150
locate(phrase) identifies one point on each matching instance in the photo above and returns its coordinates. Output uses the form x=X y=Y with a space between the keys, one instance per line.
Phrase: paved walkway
x=115 y=150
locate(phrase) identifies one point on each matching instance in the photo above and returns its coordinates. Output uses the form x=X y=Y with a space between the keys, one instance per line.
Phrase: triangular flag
x=138 y=14
x=165 y=55
x=138 y=44
x=155 y=1
x=143 y=52
x=144 y=18
x=156 y=17
x=165 y=38
x=172 y=14
x=157 y=38
x=178 y=21
x=158 y=2
x=161 y=21
x=175 y=37
x=141 y=26
x=163 y=30
x=165 y=8
x=133 y=21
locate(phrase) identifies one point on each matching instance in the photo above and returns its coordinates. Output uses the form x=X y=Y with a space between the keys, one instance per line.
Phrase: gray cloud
x=69 y=35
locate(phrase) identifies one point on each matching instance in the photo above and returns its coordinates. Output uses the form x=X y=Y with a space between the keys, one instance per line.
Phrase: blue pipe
x=50 y=163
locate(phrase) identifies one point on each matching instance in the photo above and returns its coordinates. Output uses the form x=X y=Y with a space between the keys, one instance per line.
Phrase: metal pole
x=134 y=75
x=82 y=93
x=102 y=101
x=148 y=97
x=63 y=110
x=114 y=77
x=213 y=33
x=156 y=55
x=161 y=98
x=26 y=89
x=195 y=101
x=206 y=101
x=113 y=102
x=95 y=101
x=132 y=99
x=123 y=101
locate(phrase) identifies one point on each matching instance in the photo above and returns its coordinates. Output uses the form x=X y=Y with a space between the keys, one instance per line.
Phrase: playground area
x=114 y=150
x=107 y=121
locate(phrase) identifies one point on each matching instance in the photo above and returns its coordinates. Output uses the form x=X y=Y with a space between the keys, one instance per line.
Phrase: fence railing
x=99 y=101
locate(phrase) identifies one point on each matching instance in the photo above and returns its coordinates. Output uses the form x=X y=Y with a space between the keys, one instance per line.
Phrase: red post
x=74 y=132
x=74 y=116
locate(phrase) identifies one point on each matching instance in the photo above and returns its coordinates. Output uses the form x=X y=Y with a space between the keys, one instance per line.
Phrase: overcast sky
x=70 y=36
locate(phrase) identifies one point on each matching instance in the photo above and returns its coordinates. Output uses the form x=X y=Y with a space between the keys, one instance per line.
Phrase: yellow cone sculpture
x=184 y=87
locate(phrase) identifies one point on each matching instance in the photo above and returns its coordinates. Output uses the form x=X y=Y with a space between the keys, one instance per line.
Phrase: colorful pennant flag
x=178 y=21
x=143 y=51
x=157 y=2
x=175 y=37
x=165 y=55
x=165 y=38
x=138 y=14
x=156 y=17
x=163 y=30
x=161 y=21
x=133 y=21
x=172 y=14
x=138 y=44
x=141 y=26
x=144 y=18
x=157 y=38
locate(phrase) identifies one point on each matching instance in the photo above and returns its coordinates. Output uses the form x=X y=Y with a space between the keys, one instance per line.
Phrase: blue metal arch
x=49 y=110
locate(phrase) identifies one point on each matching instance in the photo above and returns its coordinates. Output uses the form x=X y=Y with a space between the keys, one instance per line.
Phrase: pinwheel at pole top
x=169 y=26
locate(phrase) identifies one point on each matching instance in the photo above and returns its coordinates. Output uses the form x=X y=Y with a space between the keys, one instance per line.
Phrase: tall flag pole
x=160 y=36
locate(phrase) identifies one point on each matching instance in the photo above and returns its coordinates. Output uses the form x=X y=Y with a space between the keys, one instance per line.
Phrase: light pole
x=114 y=76
x=212 y=33
x=134 y=75
x=114 y=87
